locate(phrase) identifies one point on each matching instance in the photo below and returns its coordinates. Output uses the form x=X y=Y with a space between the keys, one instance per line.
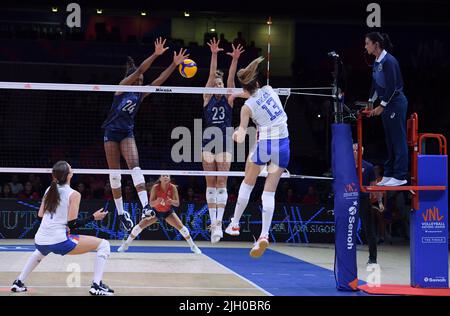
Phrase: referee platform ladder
x=429 y=206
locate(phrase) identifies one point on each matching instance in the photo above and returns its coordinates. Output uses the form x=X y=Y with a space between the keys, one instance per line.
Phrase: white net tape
x=150 y=89
x=263 y=173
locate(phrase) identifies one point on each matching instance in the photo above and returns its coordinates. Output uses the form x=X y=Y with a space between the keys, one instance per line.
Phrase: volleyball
x=188 y=68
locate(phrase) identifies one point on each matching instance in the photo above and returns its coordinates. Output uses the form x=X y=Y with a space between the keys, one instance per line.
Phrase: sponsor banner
x=346 y=196
x=429 y=226
x=291 y=223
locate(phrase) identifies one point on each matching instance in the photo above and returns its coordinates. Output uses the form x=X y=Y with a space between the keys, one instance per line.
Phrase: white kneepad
x=138 y=177
x=222 y=196
x=211 y=195
x=103 y=250
x=268 y=201
x=115 y=180
x=184 y=231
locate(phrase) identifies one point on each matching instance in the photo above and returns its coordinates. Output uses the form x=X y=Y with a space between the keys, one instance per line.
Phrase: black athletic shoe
x=125 y=220
x=372 y=261
x=106 y=287
x=148 y=212
x=18 y=286
x=100 y=289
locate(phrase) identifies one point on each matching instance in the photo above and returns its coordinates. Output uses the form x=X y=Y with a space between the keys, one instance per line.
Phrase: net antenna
x=269 y=25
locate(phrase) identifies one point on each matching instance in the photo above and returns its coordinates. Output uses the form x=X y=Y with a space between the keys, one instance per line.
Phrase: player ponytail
x=130 y=66
x=60 y=172
x=387 y=44
x=248 y=76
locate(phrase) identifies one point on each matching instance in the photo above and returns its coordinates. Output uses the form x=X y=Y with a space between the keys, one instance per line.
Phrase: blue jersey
x=123 y=111
x=218 y=113
x=387 y=79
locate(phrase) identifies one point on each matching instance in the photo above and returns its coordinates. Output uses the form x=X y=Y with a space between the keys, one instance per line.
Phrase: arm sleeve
x=390 y=78
x=80 y=222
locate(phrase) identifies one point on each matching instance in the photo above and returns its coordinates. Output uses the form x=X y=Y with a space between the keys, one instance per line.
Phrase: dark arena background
x=40 y=127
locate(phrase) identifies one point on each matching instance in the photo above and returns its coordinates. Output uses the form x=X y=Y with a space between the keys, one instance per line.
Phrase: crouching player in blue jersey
x=264 y=107
x=119 y=125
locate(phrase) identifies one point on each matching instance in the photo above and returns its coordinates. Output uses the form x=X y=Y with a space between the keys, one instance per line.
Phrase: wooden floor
x=174 y=274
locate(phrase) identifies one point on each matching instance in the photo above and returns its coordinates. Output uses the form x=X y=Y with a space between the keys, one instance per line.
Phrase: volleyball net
x=42 y=123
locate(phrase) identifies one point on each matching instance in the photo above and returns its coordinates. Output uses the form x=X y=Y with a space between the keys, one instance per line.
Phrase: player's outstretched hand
x=214 y=45
x=237 y=51
x=180 y=57
x=159 y=46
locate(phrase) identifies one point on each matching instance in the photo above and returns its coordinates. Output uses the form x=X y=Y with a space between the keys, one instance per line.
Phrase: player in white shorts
x=58 y=214
x=264 y=107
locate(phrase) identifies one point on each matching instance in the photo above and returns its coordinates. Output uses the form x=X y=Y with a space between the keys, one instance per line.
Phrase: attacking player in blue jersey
x=216 y=156
x=119 y=125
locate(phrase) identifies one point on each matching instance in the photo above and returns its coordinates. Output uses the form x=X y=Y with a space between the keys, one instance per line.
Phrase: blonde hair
x=248 y=76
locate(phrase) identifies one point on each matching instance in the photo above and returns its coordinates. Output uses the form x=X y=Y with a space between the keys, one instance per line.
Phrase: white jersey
x=268 y=114
x=53 y=226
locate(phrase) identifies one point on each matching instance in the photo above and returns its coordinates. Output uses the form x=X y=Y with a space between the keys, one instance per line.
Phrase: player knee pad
x=115 y=180
x=103 y=250
x=184 y=231
x=138 y=177
x=245 y=190
x=211 y=195
x=268 y=201
x=136 y=230
x=222 y=196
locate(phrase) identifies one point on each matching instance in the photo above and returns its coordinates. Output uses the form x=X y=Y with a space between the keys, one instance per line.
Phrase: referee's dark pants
x=394 y=123
x=365 y=213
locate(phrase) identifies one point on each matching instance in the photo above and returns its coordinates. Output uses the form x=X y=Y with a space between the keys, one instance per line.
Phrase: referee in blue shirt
x=387 y=85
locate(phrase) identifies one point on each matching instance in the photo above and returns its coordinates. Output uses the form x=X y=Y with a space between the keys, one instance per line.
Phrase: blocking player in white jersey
x=264 y=107
x=58 y=214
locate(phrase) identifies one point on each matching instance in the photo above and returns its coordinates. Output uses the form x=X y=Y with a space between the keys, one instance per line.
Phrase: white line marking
x=138 y=287
x=241 y=277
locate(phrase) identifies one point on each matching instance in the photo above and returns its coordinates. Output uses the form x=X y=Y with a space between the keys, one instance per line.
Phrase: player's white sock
x=268 y=203
x=119 y=205
x=103 y=251
x=143 y=197
x=211 y=200
x=190 y=241
x=135 y=232
x=31 y=264
x=220 y=211
x=244 y=195
x=222 y=198
x=212 y=214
